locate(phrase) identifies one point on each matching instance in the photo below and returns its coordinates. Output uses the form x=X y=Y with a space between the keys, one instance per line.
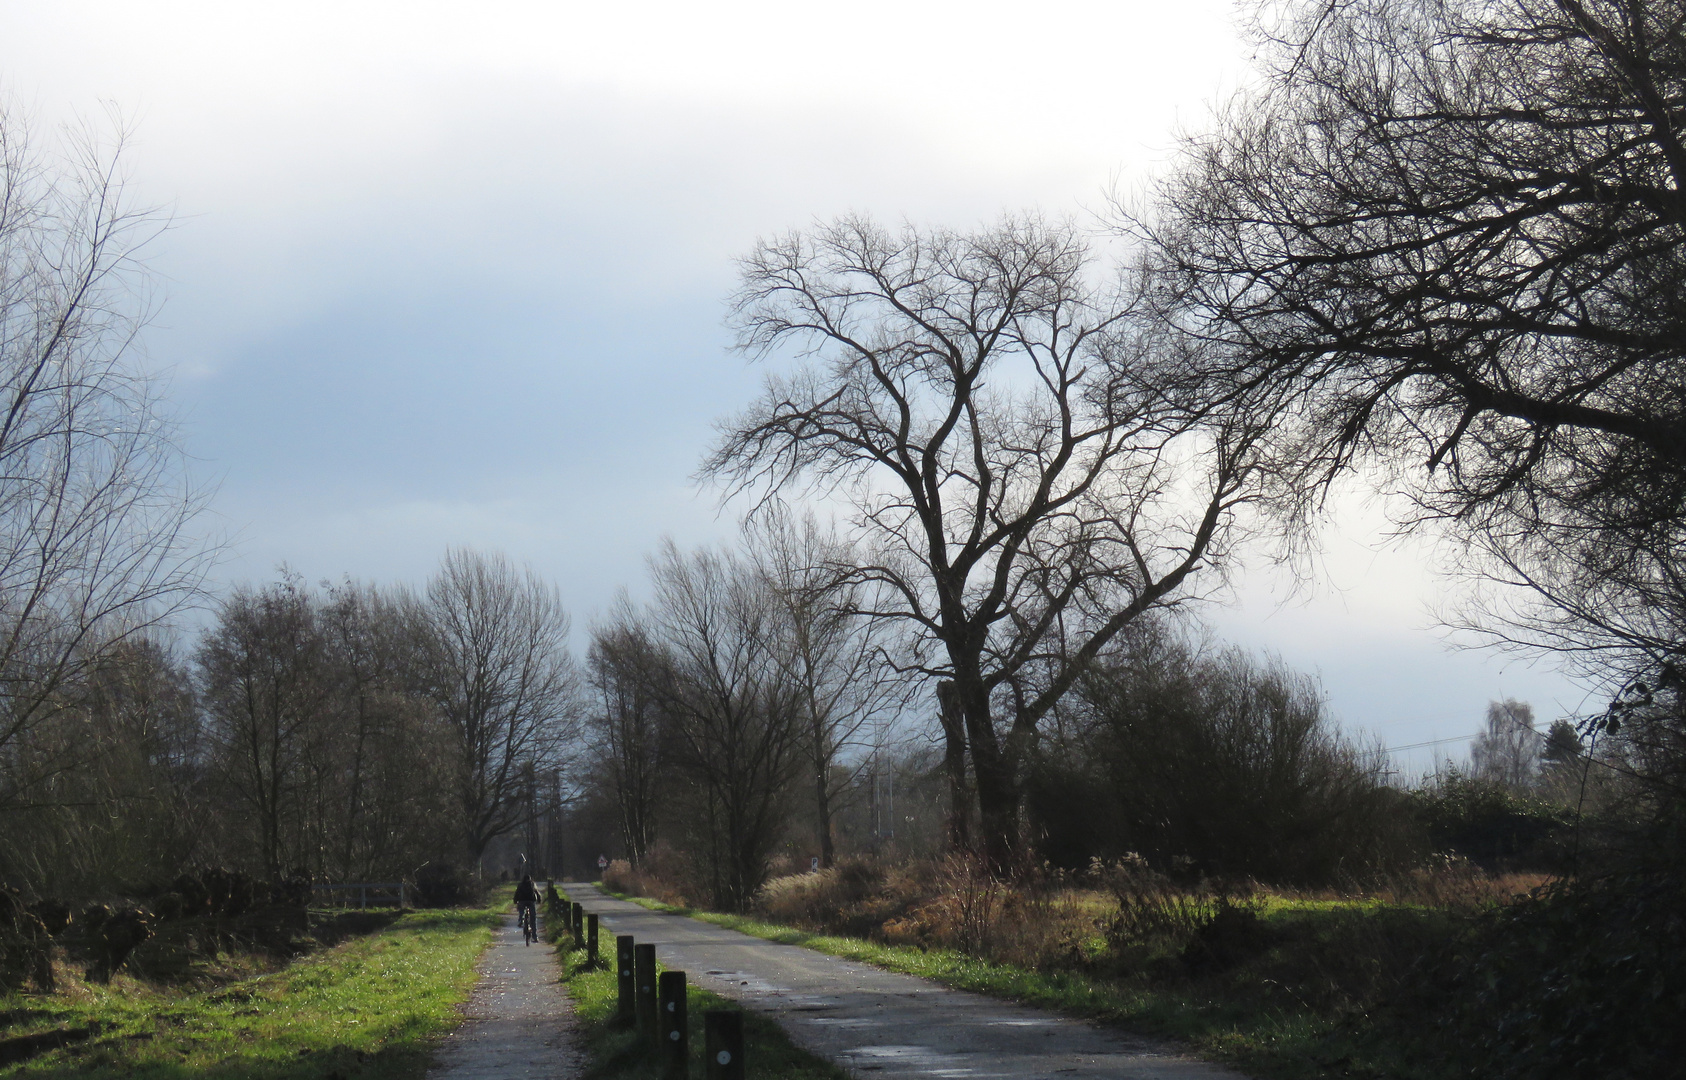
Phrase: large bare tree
x=94 y=502
x=136 y=798
x=1445 y=238
x=387 y=757
x=1025 y=482
x=501 y=675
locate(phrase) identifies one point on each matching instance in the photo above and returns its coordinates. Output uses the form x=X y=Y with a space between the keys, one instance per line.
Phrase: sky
x=452 y=274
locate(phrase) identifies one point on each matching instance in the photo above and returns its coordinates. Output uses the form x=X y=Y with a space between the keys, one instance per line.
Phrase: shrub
x=831 y=900
x=115 y=939
x=1494 y=825
x=1151 y=907
x=618 y=877
x=54 y=915
x=660 y=876
x=1175 y=749
x=442 y=885
x=1583 y=978
x=25 y=946
x=859 y=897
x=293 y=891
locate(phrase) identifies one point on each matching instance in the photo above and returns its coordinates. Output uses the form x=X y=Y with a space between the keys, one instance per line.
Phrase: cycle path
x=878 y=1023
x=518 y=1022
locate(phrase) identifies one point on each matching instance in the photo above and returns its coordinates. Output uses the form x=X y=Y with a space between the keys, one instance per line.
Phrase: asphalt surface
x=518 y=1023
x=880 y=1024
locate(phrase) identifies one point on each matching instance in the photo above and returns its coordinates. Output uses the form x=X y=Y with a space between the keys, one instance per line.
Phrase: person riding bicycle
x=527 y=903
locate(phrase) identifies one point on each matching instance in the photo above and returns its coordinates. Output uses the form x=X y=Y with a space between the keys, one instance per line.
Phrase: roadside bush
x=442 y=885
x=1151 y=907
x=859 y=897
x=1497 y=827
x=25 y=946
x=951 y=903
x=618 y=877
x=1177 y=750
x=846 y=899
x=971 y=911
x=1582 y=979
x=663 y=875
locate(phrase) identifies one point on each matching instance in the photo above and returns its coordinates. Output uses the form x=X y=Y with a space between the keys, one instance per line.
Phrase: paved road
x=880 y=1024
x=517 y=1023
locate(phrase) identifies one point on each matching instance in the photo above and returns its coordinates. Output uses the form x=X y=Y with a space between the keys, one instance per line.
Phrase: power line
x=1420 y=745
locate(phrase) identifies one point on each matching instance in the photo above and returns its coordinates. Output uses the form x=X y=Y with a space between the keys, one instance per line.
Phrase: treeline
x=737 y=718
x=348 y=733
x=1203 y=760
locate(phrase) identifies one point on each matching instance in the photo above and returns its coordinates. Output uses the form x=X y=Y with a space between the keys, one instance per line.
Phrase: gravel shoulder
x=884 y=1024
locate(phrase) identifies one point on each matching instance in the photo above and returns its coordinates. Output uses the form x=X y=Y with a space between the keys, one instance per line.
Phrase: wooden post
x=625 y=1013
x=723 y=1044
x=675 y=1030
x=591 y=939
x=644 y=995
x=579 y=931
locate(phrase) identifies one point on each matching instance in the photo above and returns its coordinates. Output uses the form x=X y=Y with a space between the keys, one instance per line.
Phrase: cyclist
x=526 y=906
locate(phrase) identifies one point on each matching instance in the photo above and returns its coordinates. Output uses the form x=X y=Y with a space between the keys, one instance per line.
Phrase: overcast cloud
x=452 y=274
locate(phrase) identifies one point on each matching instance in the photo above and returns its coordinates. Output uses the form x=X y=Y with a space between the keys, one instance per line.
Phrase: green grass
x=616 y=1052
x=367 y=1009
x=1249 y=1017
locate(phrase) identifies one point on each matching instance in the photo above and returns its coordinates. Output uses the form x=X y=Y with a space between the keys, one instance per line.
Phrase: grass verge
x=365 y=1010
x=1248 y=1019
x=616 y=1052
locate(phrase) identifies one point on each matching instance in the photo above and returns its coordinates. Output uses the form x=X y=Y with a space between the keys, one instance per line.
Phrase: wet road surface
x=881 y=1024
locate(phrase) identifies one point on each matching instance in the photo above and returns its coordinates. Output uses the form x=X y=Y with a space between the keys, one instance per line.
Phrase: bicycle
x=529 y=923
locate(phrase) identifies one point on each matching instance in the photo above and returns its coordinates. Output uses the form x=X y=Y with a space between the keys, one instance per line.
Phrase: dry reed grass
x=659 y=877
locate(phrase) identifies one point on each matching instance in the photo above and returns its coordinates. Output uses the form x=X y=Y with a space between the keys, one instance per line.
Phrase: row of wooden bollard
x=575 y=923
x=657 y=1006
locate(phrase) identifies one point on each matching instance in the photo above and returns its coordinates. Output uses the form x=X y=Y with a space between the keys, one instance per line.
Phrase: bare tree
x=1024 y=482
x=262 y=678
x=839 y=658
x=1444 y=238
x=1508 y=751
x=628 y=670
x=386 y=753
x=94 y=505
x=502 y=678
x=735 y=709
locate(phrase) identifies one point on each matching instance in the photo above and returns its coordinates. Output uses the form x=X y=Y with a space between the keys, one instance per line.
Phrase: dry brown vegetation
x=1104 y=918
x=1285 y=982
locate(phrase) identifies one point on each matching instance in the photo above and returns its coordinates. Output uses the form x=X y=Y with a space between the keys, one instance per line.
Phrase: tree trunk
x=822 y=807
x=954 y=763
x=996 y=775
